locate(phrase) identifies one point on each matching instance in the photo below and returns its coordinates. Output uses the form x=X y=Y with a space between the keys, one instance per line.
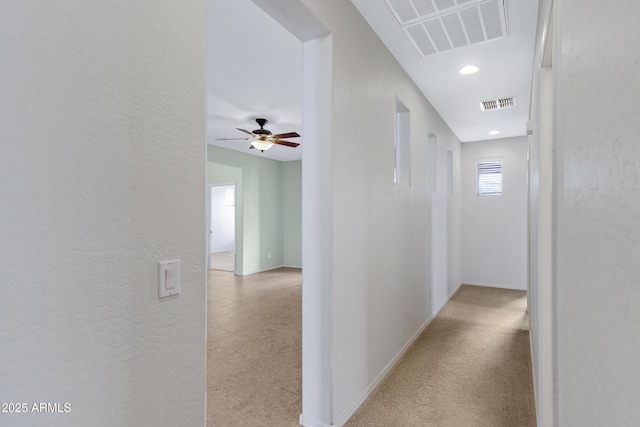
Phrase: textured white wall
x=102 y=174
x=494 y=228
x=598 y=212
x=380 y=232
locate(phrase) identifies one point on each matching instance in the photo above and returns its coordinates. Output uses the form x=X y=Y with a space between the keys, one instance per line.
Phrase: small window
x=449 y=174
x=490 y=176
x=402 y=146
x=432 y=143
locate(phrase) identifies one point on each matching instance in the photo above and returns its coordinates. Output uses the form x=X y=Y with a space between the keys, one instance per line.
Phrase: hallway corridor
x=470 y=367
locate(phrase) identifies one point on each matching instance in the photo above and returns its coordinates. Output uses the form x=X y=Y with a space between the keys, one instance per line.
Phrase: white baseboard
x=292 y=266
x=246 y=273
x=348 y=413
x=535 y=383
x=494 y=285
x=311 y=423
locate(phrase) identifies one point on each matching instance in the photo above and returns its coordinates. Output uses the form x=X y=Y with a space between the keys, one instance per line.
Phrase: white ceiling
x=259 y=73
x=505 y=69
x=255 y=70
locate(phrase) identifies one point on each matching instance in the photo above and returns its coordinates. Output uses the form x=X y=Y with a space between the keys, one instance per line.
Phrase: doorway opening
x=243 y=367
x=222 y=227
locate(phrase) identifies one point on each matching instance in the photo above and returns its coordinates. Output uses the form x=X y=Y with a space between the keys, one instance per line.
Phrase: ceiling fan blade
x=245 y=131
x=287 y=143
x=286 y=135
x=232 y=139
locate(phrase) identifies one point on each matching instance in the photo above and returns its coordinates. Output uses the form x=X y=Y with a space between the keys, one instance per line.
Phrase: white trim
x=351 y=409
x=246 y=273
x=497 y=286
x=314 y=423
x=292 y=266
x=536 y=402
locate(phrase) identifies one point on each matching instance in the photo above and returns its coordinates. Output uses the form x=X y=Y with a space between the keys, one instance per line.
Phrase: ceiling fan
x=262 y=139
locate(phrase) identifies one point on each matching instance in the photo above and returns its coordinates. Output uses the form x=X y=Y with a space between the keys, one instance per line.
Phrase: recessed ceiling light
x=494 y=132
x=469 y=69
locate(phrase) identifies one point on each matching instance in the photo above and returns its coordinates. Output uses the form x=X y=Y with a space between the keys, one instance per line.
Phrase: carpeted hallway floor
x=470 y=367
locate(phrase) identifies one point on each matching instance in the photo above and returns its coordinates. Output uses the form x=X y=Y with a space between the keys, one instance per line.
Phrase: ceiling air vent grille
x=498 y=104
x=434 y=26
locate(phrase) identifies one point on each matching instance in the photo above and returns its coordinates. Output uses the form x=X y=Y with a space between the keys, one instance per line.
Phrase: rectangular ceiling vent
x=434 y=26
x=498 y=104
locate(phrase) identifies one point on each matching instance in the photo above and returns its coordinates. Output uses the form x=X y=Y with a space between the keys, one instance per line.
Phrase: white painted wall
x=598 y=212
x=494 y=228
x=102 y=175
x=439 y=222
x=223 y=219
x=454 y=222
x=378 y=275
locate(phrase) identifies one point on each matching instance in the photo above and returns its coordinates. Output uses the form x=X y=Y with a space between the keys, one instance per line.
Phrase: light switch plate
x=168 y=278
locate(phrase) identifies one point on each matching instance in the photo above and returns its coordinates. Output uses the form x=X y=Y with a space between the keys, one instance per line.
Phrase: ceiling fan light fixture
x=262 y=139
x=261 y=145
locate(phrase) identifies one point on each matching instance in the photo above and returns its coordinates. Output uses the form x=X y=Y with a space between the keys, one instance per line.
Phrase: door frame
x=235 y=222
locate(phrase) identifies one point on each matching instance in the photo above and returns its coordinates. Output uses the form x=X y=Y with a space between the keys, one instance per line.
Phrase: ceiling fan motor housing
x=262 y=131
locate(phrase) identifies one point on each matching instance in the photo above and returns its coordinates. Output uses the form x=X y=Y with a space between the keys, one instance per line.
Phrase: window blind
x=490 y=177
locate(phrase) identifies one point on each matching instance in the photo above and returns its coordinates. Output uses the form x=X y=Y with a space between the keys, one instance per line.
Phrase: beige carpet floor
x=254 y=349
x=471 y=367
